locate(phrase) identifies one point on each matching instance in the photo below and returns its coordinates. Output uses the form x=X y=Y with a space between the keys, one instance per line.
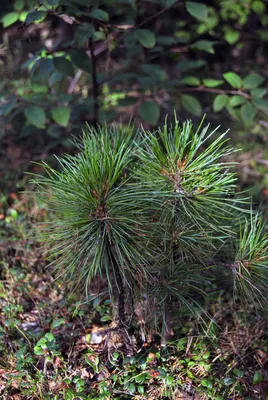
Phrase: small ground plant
x=157 y=215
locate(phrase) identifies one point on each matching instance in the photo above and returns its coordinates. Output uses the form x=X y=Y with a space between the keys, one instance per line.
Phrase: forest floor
x=56 y=345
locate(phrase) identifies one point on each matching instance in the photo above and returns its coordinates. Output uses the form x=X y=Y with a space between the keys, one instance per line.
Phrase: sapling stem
x=120 y=289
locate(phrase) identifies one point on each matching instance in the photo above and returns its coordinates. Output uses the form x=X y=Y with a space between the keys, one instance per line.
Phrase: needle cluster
x=156 y=213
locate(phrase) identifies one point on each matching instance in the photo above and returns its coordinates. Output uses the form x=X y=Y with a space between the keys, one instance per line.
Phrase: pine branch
x=152 y=212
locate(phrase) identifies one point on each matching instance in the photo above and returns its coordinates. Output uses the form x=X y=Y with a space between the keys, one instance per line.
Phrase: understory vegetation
x=151 y=227
x=55 y=344
x=50 y=348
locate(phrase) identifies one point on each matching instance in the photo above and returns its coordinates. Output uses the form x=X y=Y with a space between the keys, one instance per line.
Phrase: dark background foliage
x=65 y=63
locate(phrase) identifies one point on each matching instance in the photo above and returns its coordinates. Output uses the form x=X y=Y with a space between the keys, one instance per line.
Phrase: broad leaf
x=36 y=116
x=220 y=102
x=233 y=112
x=10 y=19
x=150 y=112
x=81 y=60
x=6 y=108
x=204 y=45
x=146 y=38
x=210 y=83
x=258 y=7
x=83 y=33
x=232 y=36
x=35 y=16
x=233 y=79
x=55 y=78
x=42 y=69
x=57 y=322
x=191 y=81
x=61 y=115
x=257 y=378
x=259 y=92
x=261 y=104
x=100 y=15
x=19 y=5
x=63 y=65
x=23 y=16
x=247 y=113
x=191 y=104
x=237 y=100
x=197 y=10
x=252 y=81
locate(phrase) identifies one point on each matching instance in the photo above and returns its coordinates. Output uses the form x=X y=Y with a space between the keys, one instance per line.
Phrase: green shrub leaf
x=252 y=81
x=210 y=83
x=261 y=104
x=237 y=100
x=42 y=69
x=258 y=93
x=231 y=36
x=170 y=380
x=197 y=10
x=258 y=7
x=233 y=79
x=146 y=38
x=83 y=33
x=191 y=81
x=61 y=115
x=141 y=390
x=57 y=322
x=191 y=104
x=220 y=102
x=19 y=5
x=150 y=112
x=10 y=19
x=247 y=113
x=257 y=378
x=100 y=15
x=36 y=116
x=204 y=45
x=207 y=383
x=63 y=65
x=81 y=60
x=6 y=108
x=35 y=16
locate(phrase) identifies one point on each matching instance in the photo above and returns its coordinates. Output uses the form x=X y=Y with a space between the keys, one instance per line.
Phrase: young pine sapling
x=157 y=214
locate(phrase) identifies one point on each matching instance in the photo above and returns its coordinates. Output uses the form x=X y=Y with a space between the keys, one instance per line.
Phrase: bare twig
x=263 y=162
x=74 y=81
x=157 y=14
x=94 y=83
x=232 y=266
x=214 y=90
